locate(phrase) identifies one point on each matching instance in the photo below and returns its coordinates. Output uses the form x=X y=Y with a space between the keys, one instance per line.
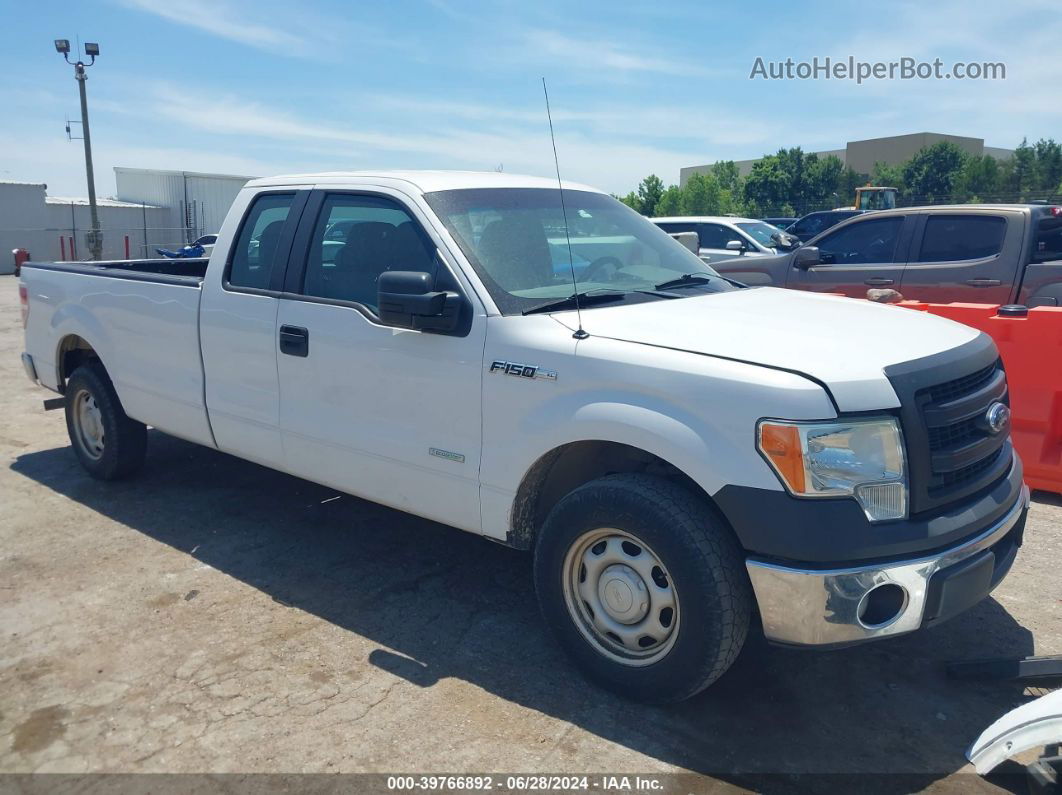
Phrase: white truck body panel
x=840 y=342
x=145 y=333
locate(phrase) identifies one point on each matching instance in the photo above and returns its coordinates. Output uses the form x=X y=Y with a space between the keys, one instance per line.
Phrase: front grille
x=943 y=393
x=951 y=452
x=965 y=474
x=955 y=435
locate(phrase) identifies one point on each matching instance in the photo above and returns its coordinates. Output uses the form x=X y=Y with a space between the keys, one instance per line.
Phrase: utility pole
x=62 y=46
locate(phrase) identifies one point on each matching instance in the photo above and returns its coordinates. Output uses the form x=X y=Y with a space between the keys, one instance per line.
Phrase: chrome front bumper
x=812 y=607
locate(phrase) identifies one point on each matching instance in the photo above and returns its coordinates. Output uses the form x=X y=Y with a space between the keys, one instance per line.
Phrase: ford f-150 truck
x=973 y=253
x=686 y=457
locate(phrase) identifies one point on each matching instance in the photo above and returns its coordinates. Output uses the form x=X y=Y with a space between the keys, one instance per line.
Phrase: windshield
x=515 y=239
x=760 y=232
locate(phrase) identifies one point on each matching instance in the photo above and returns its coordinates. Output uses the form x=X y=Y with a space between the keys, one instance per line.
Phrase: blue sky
x=639 y=86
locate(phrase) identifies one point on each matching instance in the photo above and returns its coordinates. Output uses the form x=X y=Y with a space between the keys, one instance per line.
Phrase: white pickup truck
x=685 y=456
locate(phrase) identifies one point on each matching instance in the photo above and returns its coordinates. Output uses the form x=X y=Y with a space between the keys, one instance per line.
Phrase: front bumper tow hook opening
x=881 y=605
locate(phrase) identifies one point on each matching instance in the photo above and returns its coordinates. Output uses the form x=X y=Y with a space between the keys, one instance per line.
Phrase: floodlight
x=92 y=48
x=62 y=46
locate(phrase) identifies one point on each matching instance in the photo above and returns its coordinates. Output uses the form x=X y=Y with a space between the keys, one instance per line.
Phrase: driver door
x=866 y=253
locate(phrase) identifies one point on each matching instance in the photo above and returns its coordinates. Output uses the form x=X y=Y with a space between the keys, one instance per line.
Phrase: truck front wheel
x=108 y=443
x=643 y=586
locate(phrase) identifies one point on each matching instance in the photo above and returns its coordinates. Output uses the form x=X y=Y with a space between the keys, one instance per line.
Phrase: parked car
x=680 y=452
x=780 y=222
x=722 y=237
x=974 y=253
x=818 y=222
x=207 y=243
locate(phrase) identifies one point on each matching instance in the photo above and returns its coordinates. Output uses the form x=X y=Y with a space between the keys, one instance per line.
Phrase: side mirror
x=735 y=245
x=806 y=256
x=407 y=299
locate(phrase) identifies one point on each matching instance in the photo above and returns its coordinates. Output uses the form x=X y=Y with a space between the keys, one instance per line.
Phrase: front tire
x=107 y=442
x=643 y=586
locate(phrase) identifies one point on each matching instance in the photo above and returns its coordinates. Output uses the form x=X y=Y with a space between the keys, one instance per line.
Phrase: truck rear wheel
x=643 y=586
x=108 y=444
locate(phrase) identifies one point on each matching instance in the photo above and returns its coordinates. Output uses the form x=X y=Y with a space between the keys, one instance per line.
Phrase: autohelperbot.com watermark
x=851 y=68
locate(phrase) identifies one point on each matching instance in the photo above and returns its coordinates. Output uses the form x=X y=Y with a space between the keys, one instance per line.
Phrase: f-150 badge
x=522 y=370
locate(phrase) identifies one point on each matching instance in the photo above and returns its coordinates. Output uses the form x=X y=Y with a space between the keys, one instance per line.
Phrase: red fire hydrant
x=21 y=255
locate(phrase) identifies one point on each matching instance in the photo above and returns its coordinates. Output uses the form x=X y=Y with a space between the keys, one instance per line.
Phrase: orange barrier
x=1031 y=347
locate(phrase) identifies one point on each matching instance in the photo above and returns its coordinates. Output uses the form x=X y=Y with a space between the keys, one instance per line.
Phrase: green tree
x=1022 y=171
x=726 y=171
x=671 y=202
x=933 y=171
x=650 y=190
x=1048 y=169
x=823 y=181
x=885 y=175
x=632 y=201
x=980 y=176
x=702 y=195
x=766 y=187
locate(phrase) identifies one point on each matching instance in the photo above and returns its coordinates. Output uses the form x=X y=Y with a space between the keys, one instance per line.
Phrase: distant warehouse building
x=197 y=202
x=862 y=155
x=152 y=209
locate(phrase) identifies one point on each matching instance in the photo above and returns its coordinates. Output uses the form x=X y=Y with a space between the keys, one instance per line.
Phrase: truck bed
x=141 y=317
x=170 y=271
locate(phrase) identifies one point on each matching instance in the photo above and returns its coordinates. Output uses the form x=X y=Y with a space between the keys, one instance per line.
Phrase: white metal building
x=198 y=202
x=153 y=209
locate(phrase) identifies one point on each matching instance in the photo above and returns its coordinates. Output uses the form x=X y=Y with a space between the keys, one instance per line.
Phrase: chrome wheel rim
x=88 y=422
x=621 y=596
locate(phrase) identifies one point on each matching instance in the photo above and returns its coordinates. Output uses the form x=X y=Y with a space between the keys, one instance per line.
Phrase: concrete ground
x=212 y=615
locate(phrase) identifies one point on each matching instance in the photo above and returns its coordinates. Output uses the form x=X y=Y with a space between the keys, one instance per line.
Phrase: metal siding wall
x=209 y=195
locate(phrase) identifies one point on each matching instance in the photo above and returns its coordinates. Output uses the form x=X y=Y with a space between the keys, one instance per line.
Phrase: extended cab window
x=1047 y=244
x=253 y=258
x=868 y=242
x=356 y=239
x=950 y=238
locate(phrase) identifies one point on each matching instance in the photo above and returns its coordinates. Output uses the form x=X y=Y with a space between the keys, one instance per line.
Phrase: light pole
x=62 y=46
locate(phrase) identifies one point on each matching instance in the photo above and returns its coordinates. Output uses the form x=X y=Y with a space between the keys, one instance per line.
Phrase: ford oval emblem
x=997 y=417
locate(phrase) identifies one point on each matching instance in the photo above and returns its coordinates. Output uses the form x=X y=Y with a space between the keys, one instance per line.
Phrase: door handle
x=983 y=282
x=878 y=281
x=294 y=340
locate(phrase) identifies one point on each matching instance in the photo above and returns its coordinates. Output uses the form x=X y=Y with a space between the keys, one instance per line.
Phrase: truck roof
x=424 y=181
x=705 y=219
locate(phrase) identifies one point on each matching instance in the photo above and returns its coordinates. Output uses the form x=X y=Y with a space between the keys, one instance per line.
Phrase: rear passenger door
x=389 y=414
x=857 y=256
x=968 y=256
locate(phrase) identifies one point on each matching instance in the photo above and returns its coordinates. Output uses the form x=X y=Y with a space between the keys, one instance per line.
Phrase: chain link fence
x=72 y=243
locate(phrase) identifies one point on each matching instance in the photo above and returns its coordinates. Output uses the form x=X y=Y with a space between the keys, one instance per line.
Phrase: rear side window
x=716 y=235
x=951 y=238
x=254 y=257
x=1047 y=245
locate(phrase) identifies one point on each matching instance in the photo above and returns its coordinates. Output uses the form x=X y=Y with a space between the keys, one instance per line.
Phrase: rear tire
x=644 y=586
x=108 y=443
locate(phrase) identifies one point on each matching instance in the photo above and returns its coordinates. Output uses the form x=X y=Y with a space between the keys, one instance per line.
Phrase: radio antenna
x=581 y=333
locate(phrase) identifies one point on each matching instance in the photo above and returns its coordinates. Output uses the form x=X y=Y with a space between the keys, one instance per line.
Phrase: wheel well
x=73 y=352
x=565 y=468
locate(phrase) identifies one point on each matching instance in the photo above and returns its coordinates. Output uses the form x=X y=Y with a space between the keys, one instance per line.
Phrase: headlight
x=863 y=459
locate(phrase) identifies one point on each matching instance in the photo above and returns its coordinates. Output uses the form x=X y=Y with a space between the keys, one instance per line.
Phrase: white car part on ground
x=1031 y=725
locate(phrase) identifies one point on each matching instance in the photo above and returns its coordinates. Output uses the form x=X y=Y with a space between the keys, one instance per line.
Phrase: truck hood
x=842 y=342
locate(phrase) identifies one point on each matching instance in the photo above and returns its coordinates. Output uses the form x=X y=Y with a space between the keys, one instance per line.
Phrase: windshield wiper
x=584 y=299
x=688 y=280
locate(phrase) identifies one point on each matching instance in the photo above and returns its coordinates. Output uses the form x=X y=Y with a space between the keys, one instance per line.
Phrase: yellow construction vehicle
x=874 y=198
